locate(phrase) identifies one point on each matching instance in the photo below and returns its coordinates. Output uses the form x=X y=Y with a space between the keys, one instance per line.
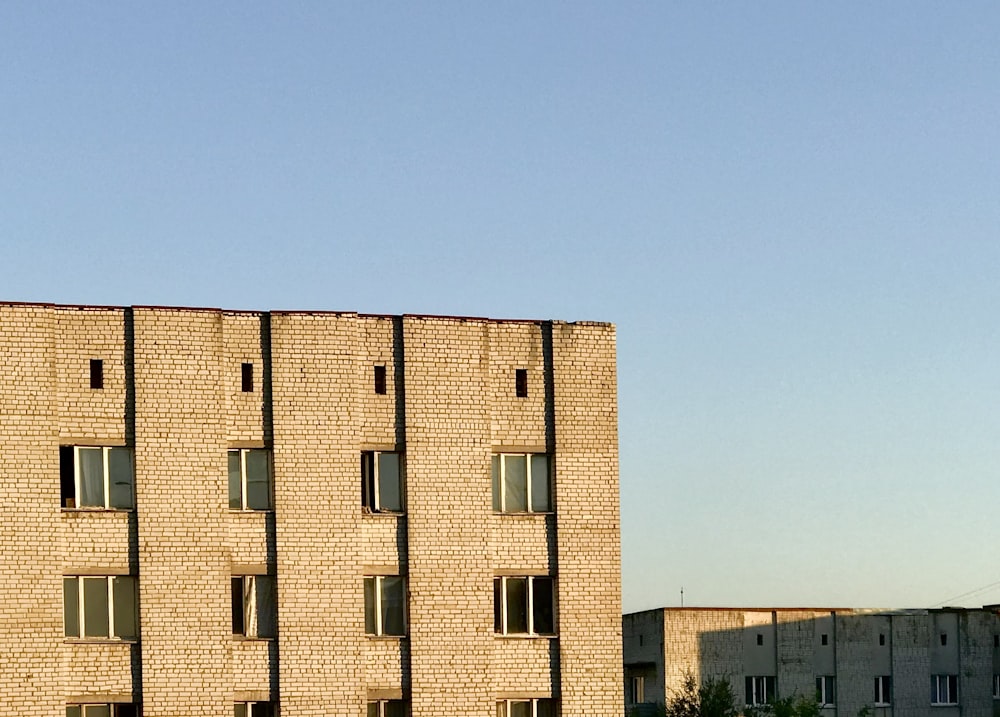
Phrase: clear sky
x=791 y=210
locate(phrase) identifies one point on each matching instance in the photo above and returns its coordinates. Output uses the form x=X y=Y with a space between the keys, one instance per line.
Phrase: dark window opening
x=881 y=639
x=247 y=378
x=521 y=382
x=824 y=639
x=96 y=373
x=996 y=641
x=944 y=638
x=380 y=380
x=760 y=639
x=66 y=477
x=238 y=624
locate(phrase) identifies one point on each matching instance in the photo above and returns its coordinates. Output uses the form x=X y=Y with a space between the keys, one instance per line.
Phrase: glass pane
x=369 y=606
x=73 y=711
x=389 y=488
x=393 y=606
x=237 y=601
x=120 y=475
x=71 y=607
x=497 y=598
x=495 y=465
x=250 y=607
x=235 y=488
x=545 y=708
x=95 y=607
x=517 y=605
x=123 y=592
x=266 y=612
x=258 y=480
x=501 y=709
x=124 y=710
x=515 y=483
x=541 y=500
x=544 y=622
x=520 y=709
x=91 y=466
x=395 y=708
x=240 y=710
x=97 y=711
x=260 y=709
x=373 y=709
x=367 y=481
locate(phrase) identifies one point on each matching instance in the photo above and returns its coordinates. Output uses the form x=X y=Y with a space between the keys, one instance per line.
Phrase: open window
x=543 y=707
x=250 y=479
x=100 y=607
x=521 y=483
x=381 y=482
x=97 y=477
x=254 y=606
x=524 y=605
x=388 y=708
x=254 y=709
x=120 y=709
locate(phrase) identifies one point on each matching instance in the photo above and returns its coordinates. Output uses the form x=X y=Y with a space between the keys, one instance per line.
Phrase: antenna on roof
x=682 y=596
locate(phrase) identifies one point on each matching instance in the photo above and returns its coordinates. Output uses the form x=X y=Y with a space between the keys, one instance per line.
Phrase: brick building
x=213 y=513
x=907 y=663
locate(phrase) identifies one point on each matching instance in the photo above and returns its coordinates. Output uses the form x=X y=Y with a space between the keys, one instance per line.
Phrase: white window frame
x=243 y=453
x=531 y=604
x=106 y=470
x=251 y=616
x=883 y=690
x=826 y=691
x=82 y=611
x=375 y=481
x=382 y=706
x=254 y=709
x=502 y=482
x=941 y=692
x=759 y=692
x=113 y=708
x=377 y=592
x=638 y=685
x=504 y=706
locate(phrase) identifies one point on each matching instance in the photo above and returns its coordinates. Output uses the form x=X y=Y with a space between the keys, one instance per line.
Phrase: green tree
x=713 y=698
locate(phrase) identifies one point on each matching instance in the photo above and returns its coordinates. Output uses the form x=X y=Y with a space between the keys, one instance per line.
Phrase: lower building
x=211 y=513
x=907 y=663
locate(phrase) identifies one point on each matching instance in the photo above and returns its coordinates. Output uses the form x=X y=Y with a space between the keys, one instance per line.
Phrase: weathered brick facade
x=950 y=655
x=175 y=392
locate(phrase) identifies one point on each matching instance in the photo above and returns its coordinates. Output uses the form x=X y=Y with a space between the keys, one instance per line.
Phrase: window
x=638 y=689
x=96 y=373
x=521 y=483
x=246 y=378
x=521 y=382
x=100 y=607
x=380 y=380
x=388 y=708
x=250 y=479
x=96 y=477
x=385 y=605
x=105 y=710
x=825 y=695
x=944 y=689
x=253 y=709
x=883 y=691
x=523 y=606
x=526 y=708
x=760 y=690
x=881 y=638
x=381 y=484
x=944 y=639
x=996 y=687
x=254 y=612
x=824 y=639
x=760 y=640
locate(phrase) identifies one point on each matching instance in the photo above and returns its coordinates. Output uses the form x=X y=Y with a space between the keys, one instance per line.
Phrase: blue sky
x=790 y=210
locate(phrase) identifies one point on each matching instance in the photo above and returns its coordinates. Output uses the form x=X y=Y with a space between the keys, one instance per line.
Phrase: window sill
x=252 y=638
x=387 y=638
x=250 y=511
x=523 y=513
x=383 y=513
x=95 y=509
x=524 y=636
x=101 y=641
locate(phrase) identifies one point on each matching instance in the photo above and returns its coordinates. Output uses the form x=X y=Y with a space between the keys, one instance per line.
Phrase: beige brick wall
x=172 y=391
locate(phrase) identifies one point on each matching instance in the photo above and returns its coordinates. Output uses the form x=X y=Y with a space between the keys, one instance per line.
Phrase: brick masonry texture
x=664 y=645
x=173 y=394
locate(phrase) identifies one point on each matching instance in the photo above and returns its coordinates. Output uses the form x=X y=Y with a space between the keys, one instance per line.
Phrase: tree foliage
x=715 y=698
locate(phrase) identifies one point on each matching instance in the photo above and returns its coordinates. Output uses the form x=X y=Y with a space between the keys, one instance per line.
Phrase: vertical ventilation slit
x=521 y=382
x=380 y=380
x=247 y=378
x=97 y=373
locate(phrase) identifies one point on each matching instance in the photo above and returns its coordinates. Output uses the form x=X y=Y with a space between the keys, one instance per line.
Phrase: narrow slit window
x=247 y=378
x=96 y=373
x=944 y=638
x=521 y=382
x=380 y=380
x=824 y=639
